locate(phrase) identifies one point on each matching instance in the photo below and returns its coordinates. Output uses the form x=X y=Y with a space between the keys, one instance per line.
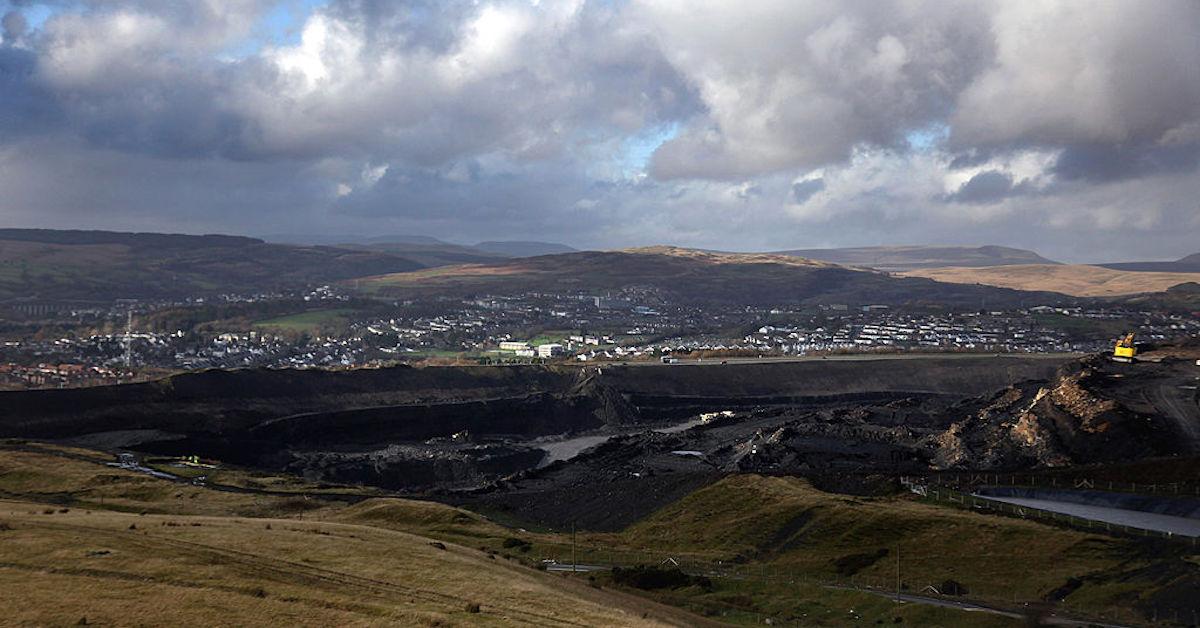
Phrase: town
x=325 y=327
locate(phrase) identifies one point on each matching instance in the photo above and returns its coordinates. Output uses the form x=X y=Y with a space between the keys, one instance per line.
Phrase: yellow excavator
x=1125 y=350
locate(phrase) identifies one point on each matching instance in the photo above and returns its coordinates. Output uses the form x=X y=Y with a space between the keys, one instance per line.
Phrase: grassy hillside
x=101 y=265
x=312 y=322
x=895 y=258
x=136 y=549
x=1074 y=279
x=791 y=528
x=691 y=276
x=139 y=551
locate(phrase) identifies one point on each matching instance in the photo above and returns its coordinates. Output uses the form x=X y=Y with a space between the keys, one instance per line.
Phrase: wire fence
x=1004 y=600
x=947 y=494
x=969 y=481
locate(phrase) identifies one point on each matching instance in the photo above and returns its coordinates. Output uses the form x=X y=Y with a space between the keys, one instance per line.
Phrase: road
x=1117 y=516
x=1051 y=620
x=852 y=357
x=568 y=567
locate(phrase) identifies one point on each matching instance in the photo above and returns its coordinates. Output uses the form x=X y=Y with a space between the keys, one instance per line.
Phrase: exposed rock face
x=1006 y=433
x=1090 y=411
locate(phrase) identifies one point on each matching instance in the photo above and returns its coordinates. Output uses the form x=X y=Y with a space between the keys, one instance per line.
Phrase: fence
x=880 y=584
x=950 y=495
x=1028 y=480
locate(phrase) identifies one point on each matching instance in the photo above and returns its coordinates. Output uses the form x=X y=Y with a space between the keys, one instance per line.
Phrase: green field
x=308 y=322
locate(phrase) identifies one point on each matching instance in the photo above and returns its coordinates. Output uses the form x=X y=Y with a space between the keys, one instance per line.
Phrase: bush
x=953 y=587
x=472 y=607
x=853 y=563
x=649 y=578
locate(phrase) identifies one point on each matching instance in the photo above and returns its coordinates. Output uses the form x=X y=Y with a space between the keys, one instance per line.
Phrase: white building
x=513 y=345
x=549 y=350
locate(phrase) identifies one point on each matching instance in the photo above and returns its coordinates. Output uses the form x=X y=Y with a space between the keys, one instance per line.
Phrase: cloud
x=804 y=190
x=988 y=186
x=773 y=124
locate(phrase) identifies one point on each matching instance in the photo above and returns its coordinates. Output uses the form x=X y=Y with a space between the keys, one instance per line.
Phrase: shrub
x=853 y=563
x=953 y=587
x=512 y=542
x=472 y=607
x=648 y=578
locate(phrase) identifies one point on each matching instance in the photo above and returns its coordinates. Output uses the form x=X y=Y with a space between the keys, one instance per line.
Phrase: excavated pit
x=396 y=427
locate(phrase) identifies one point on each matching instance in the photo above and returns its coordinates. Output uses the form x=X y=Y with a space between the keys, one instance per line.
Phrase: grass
x=1074 y=279
x=785 y=527
x=1078 y=325
x=782 y=542
x=154 y=553
x=312 y=322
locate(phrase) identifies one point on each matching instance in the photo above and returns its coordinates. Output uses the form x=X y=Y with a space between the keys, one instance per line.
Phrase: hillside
x=430 y=251
x=518 y=248
x=691 y=276
x=103 y=265
x=1074 y=279
x=900 y=258
x=430 y=255
x=137 y=550
x=140 y=550
x=1189 y=264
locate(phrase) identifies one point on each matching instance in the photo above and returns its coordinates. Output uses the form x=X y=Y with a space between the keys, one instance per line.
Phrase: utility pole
x=897 y=573
x=573 y=563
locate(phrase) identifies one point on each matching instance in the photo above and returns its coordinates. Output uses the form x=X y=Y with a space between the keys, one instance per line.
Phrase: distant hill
x=900 y=258
x=523 y=249
x=1189 y=264
x=325 y=239
x=430 y=251
x=1073 y=279
x=432 y=254
x=106 y=265
x=691 y=276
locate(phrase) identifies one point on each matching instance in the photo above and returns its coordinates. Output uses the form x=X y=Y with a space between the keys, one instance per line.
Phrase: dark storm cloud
x=26 y=107
x=1098 y=163
x=989 y=186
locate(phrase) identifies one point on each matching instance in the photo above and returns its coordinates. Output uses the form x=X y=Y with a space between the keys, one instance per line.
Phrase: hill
x=1074 y=279
x=517 y=248
x=691 y=276
x=105 y=265
x=431 y=254
x=1189 y=264
x=138 y=550
x=900 y=258
x=427 y=245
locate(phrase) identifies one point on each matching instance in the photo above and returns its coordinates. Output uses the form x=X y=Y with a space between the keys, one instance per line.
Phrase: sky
x=1071 y=128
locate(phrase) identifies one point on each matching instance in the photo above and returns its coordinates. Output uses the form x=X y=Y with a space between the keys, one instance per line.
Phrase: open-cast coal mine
x=604 y=445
